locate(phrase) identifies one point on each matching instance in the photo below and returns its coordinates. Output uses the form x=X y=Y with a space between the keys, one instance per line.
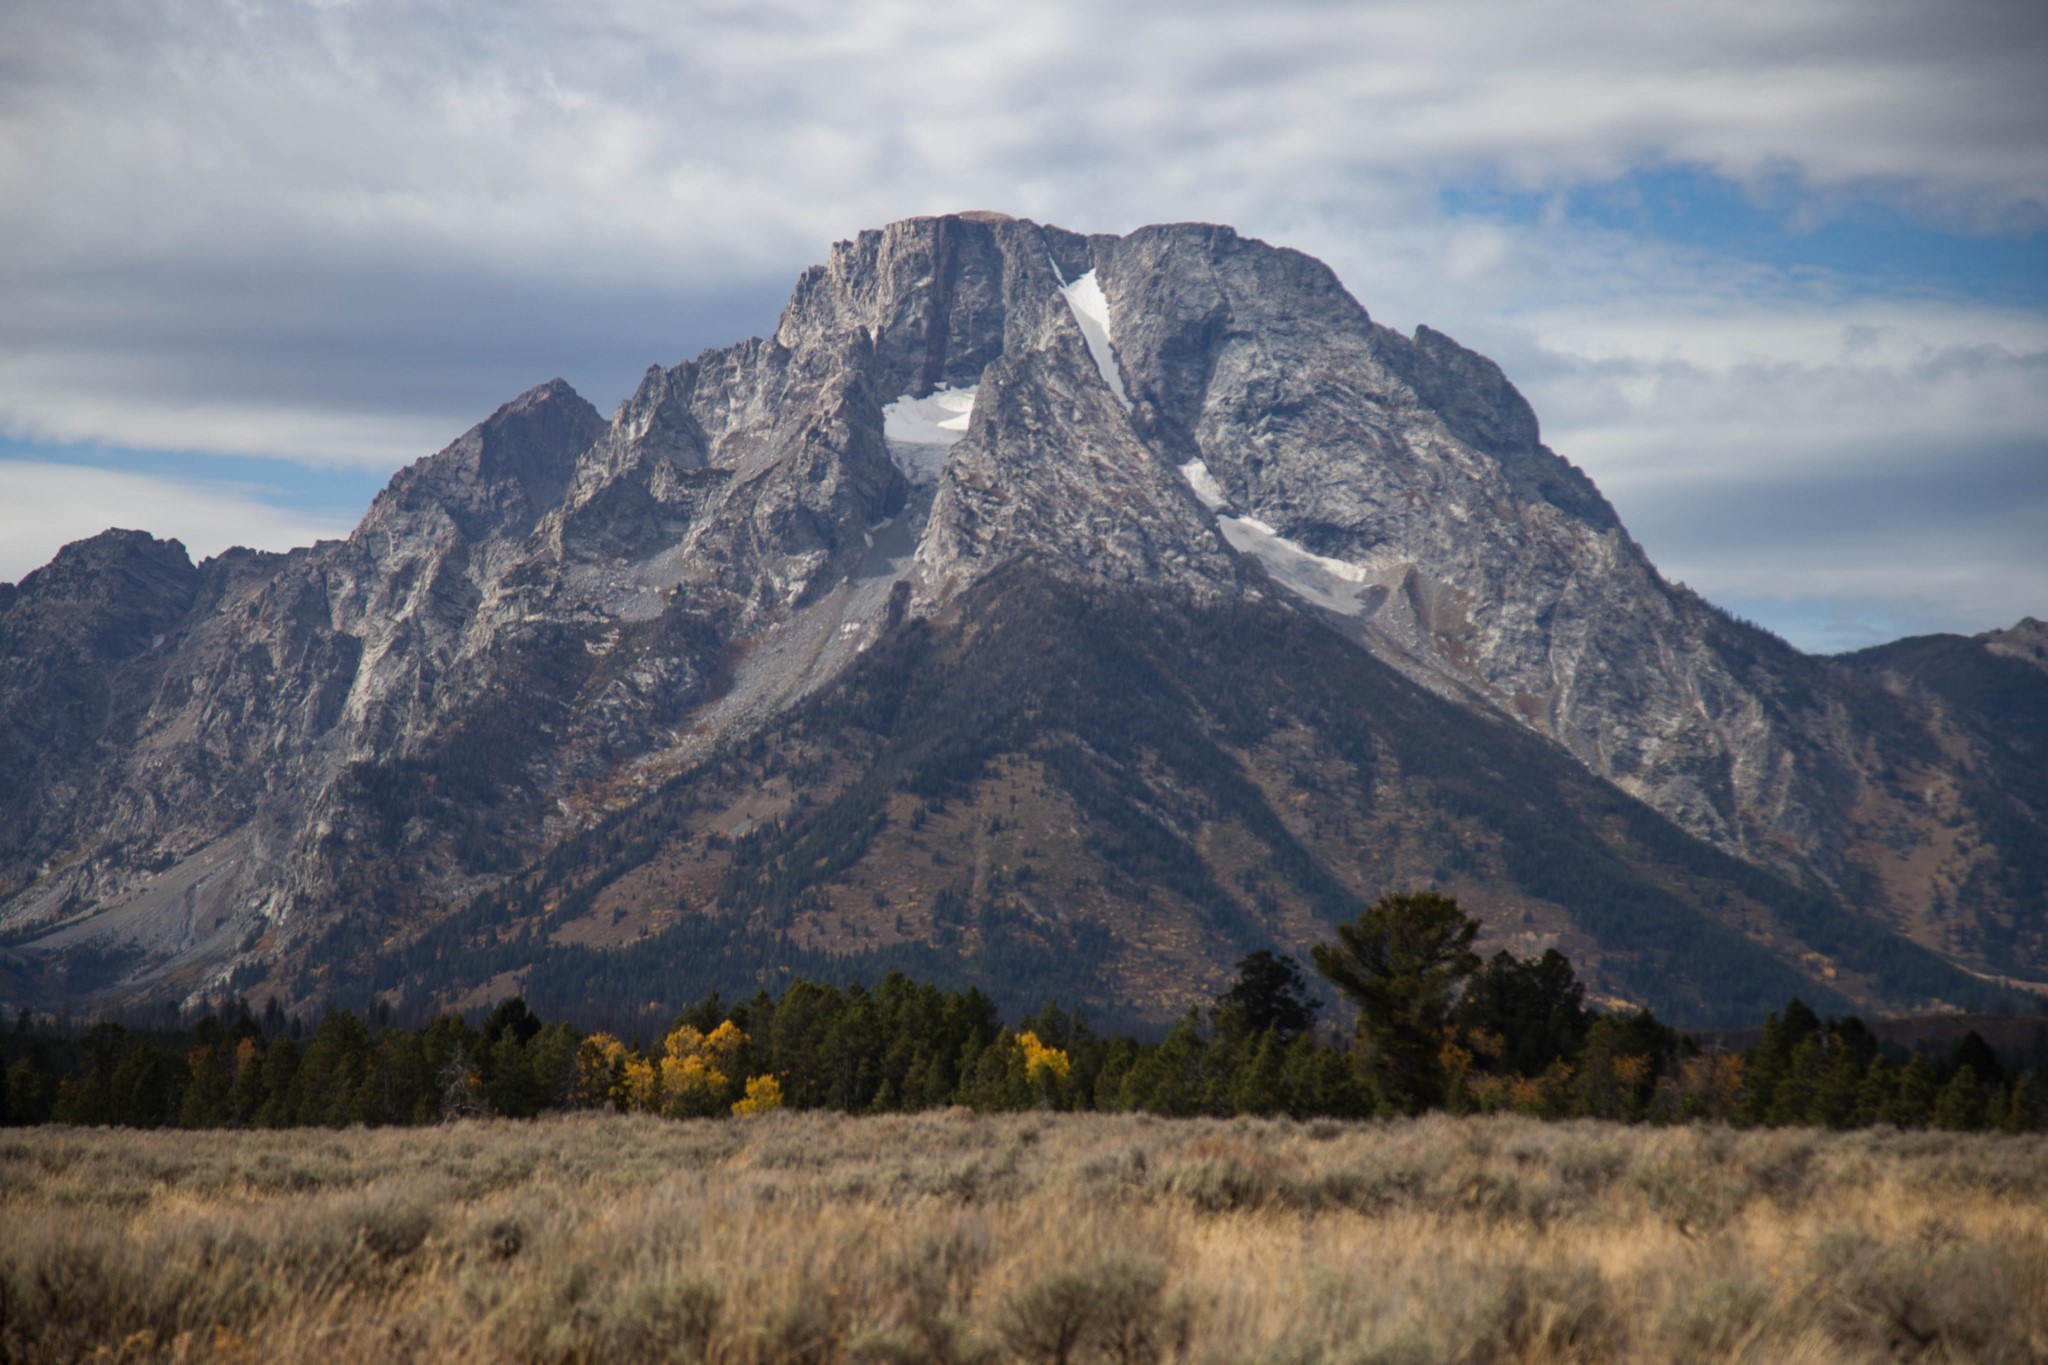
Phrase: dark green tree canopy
x=1271 y=993
x=511 y=1016
x=1400 y=962
x=1537 y=1008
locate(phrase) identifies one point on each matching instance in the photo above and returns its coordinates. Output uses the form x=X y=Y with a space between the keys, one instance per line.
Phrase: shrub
x=1544 y=1313
x=1112 y=1310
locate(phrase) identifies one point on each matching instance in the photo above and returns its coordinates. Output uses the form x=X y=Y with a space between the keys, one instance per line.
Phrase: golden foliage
x=764 y=1093
x=1043 y=1064
x=601 y=1072
x=643 y=1085
x=697 y=1070
x=692 y=1078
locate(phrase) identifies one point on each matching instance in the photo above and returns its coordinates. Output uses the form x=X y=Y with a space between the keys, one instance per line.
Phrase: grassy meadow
x=949 y=1236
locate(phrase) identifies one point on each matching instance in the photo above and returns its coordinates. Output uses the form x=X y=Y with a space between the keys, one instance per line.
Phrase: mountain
x=1067 y=614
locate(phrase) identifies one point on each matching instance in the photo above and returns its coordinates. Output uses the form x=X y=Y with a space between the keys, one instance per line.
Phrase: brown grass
x=951 y=1237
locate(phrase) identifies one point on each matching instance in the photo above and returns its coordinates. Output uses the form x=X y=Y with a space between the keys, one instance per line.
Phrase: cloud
x=350 y=365
x=1903 y=546
x=340 y=232
x=44 y=507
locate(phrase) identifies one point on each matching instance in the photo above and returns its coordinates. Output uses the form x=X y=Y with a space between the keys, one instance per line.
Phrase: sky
x=1775 y=274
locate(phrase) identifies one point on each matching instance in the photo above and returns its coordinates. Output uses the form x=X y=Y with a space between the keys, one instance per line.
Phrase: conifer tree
x=2021 y=1112
x=1271 y=993
x=1793 y=1101
x=1399 y=963
x=1835 y=1100
x=1918 y=1089
x=1770 y=1061
x=1959 y=1108
x=1259 y=1086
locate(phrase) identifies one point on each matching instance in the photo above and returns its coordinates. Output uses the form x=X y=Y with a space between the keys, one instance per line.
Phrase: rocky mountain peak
x=1481 y=408
x=933 y=295
x=498 y=478
x=1194 y=436
x=110 y=595
x=2026 y=641
x=113 y=550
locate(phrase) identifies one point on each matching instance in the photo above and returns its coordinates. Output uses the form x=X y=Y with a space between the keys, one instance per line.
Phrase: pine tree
x=30 y=1091
x=280 y=1071
x=209 y=1098
x=1836 y=1099
x=1918 y=1090
x=1770 y=1061
x=1959 y=1108
x=1399 y=962
x=1271 y=993
x=1259 y=1086
x=1533 y=1012
x=1877 y=1096
x=1793 y=1102
x=2021 y=1112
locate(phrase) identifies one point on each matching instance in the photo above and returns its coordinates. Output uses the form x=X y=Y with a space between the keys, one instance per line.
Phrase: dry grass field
x=952 y=1237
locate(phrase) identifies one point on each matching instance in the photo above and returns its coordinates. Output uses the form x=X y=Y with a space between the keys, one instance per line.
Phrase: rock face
x=252 y=769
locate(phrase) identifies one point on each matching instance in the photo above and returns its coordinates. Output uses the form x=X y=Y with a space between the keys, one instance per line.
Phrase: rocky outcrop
x=1463 y=547
x=79 y=643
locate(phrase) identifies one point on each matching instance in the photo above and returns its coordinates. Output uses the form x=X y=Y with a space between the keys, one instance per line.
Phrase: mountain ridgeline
x=1065 y=615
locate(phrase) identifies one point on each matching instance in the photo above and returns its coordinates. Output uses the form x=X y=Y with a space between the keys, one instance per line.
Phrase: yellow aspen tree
x=764 y=1093
x=697 y=1069
x=1040 y=1061
x=724 y=1045
x=691 y=1087
x=1045 y=1068
x=643 y=1085
x=601 y=1072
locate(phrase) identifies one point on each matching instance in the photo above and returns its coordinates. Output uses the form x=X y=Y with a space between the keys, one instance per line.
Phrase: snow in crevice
x=920 y=431
x=1329 y=583
x=1091 y=309
x=1332 y=584
x=1207 y=491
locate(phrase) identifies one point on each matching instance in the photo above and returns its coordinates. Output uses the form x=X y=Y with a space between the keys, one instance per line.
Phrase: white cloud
x=44 y=507
x=621 y=139
x=340 y=232
x=1758 y=392
x=71 y=399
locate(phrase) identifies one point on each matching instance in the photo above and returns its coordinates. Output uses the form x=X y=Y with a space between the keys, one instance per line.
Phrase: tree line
x=1436 y=1028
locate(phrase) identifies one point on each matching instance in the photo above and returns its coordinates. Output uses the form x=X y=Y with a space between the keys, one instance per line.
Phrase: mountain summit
x=1064 y=613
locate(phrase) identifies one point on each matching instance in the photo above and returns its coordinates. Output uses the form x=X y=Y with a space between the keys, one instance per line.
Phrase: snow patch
x=1332 y=584
x=1329 y=583
x=1207 y=491
x=919 y=431
x=1091 y=309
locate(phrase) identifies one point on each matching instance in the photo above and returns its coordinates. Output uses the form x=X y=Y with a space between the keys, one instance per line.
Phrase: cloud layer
x=337 y=233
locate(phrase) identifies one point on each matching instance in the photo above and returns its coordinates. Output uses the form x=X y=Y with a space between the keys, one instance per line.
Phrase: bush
x=1113 y=1310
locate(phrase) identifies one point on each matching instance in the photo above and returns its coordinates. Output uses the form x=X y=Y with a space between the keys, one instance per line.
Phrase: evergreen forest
x=1436 y=1028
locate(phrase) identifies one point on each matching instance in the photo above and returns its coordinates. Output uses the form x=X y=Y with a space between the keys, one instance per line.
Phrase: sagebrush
x=956 y=1237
